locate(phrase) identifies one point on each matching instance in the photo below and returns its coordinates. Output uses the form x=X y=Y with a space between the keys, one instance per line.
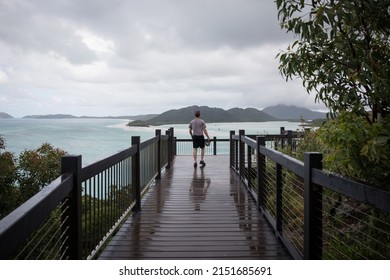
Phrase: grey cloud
x=25 y=29
x=173 y=53
x=136 y=26
x=231 y=23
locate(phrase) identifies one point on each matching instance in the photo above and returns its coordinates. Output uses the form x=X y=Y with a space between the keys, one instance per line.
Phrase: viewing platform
x=251 y=201
x=196 y=213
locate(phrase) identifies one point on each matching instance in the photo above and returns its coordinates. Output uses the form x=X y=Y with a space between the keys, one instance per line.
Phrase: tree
x=23 y=177
x=342 y=52
x=354 y=148
x=38 y=168
x=7 y=180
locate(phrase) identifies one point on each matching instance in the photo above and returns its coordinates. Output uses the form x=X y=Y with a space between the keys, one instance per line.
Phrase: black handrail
x=184 y=146
x=273 y=166
x=17 y=226
x=101 y=193
x=94 y=200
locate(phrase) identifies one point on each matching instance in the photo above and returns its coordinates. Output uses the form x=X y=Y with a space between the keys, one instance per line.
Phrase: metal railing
x=76 y=214
x=221 y=146
x=317 y=215
x=183 y=147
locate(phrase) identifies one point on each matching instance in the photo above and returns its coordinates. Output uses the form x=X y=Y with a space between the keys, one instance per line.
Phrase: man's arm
x=206 y=133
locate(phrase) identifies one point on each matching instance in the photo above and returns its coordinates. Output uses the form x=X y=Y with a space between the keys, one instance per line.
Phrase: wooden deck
x=194 y=213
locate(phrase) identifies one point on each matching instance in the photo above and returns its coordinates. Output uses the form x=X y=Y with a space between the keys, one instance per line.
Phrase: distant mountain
x=142 y=117
x=250 y=115
x=66 y=116
x=211 y=115
x=54 y=116
x=283 y=112
x=5 y=116
x=138 y=117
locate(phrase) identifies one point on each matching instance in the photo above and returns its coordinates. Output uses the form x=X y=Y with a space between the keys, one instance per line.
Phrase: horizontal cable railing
x=221 y=146
x=74 y=216
x=26 y=233
x=317 y=215
x=183 y=147
x=356 y=220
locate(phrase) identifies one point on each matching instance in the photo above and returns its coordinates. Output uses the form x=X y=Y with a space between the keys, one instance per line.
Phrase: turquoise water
x=96 y=139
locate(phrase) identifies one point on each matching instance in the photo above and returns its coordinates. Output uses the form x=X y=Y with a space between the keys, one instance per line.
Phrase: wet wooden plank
x=194 y=213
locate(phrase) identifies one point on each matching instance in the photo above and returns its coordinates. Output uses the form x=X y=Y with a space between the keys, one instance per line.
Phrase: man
x=197 y=129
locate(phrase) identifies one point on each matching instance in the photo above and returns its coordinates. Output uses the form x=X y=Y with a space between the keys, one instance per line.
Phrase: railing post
x=136 y=172
x=260 y=172
x=232 y=150
x=289 y=138
x=158 y=134
x=249 y=159
x=174 y=146
x=282 y=136
x=242 y=153
x=168 y=133
x=312 y=209
x=173 y=143
x=236 y=155
x=72 y=210
x=215 y=145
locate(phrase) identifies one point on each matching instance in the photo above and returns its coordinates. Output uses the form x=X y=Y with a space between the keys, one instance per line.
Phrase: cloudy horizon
x=100 y=58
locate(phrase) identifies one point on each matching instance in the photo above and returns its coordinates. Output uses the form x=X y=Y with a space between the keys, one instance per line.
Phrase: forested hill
x=5 y=116
x=211 y=115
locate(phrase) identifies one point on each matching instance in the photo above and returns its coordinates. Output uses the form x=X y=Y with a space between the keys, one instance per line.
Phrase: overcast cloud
x=129 y=57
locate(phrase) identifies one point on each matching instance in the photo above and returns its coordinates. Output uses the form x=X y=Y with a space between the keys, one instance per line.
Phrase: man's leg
x=202 y=163
x=195 y=155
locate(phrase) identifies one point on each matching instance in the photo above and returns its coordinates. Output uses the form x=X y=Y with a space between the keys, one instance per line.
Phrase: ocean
x=96 y=139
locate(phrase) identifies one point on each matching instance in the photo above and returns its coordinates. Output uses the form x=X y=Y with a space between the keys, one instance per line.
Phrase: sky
x=132 y=57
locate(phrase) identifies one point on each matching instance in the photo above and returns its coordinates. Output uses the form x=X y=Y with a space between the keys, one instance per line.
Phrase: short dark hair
x=197 y=114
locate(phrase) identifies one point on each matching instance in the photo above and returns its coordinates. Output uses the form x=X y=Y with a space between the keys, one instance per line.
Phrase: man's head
x=197 y=114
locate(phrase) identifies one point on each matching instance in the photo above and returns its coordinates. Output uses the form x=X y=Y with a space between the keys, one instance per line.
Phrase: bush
x=23 y=177
x=355 y=148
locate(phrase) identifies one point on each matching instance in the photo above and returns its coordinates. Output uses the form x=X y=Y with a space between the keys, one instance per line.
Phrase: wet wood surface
x=196 y=213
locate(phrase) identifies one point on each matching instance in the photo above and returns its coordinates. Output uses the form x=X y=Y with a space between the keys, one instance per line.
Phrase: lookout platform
x=196 y=213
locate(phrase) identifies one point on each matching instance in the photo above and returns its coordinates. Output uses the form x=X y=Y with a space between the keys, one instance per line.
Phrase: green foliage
x=354 y=148
x=22 y=177
x=7 y=179
x=99 y=216
x=37 y=168
x=351 y=147
x=309 y=142
x=2 y=143
x=342 y=54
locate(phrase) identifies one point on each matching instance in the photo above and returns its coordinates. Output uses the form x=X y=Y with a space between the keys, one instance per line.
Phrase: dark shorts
x=198 y=142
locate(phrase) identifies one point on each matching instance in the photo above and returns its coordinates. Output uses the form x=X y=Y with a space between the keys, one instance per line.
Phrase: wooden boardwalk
x=194 y=213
